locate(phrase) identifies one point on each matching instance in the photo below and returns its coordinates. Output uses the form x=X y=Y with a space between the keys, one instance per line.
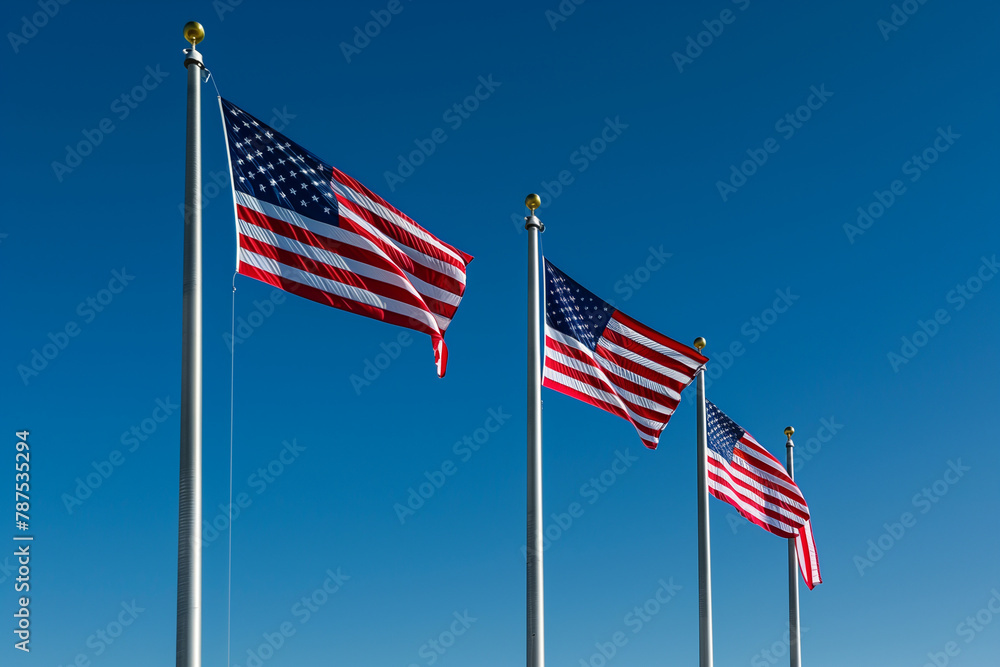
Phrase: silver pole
x=794 y=640
x=536 y=597
x=189 y=516
x=704 y=547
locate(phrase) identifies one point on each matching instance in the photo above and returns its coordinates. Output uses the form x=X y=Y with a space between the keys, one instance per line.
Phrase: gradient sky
x=902 y=125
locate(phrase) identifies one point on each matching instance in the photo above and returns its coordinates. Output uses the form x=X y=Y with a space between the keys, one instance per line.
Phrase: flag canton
x=723 y=433
x=270 y=167
x=572 y=309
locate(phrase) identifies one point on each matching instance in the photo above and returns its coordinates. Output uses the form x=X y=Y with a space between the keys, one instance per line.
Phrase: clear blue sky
x=880 y=97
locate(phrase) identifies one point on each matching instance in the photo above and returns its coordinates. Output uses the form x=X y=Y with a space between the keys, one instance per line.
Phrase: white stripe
x=427 y=261
x=739 y=474
x=598 y=372
x=628 y=332
x=340 y=289
x=599 y=394
x=394 y=218
x=628 y=400
x=737 y=501
x=346 y=264
x=626 y=374
x=643 y=361
x=344 y=236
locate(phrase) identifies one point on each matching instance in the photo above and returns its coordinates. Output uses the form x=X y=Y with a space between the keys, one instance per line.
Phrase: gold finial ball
x=789 y=431
x=532 y=201
x=194 y=32
x=700 y=343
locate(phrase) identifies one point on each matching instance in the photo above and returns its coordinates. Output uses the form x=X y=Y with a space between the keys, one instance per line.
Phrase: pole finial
x=700 y=343
x=194 y=33
x=789 y=431
x=533 y=201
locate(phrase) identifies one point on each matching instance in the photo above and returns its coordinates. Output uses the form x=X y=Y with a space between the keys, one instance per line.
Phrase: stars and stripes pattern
x=748 y=477
x=310 y=229
x=603 y=357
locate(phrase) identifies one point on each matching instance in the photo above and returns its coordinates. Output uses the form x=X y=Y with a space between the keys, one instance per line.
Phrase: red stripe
x=722 y=495
x=661 y=339
x=599 y=382
x=392 y=230
x=319 y=296
x=647 y=353
x=768 y=495
x=806 y=545
x=641 y=370
x=645 y=433
x=755 y=499
x=753 y=465
x=771 y=493
x=370 y=257
x=322 y=270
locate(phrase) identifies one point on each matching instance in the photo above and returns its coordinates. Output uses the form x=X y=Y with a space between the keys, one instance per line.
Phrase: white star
x=303 y=202
x=326 y=209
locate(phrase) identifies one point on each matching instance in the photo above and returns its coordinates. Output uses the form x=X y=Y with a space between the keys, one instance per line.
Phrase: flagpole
x=704 y=547
x=535 y=598
x=189 y=515
x=795 y=646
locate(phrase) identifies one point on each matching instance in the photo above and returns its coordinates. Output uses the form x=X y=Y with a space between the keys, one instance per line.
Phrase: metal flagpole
x=795 y=647
x=704 y=550
x=536 y=598
x=189 y=518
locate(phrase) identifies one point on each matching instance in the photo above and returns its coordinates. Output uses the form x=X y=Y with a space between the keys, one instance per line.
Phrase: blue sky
x=899 y=122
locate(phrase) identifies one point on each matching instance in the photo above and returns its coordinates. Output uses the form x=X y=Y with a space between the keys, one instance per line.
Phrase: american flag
x=310 y=229
x=749 y=478
x=603 y=357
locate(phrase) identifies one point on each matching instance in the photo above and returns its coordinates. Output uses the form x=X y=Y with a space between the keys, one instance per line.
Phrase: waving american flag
x=308 y=228
x=602 y=356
